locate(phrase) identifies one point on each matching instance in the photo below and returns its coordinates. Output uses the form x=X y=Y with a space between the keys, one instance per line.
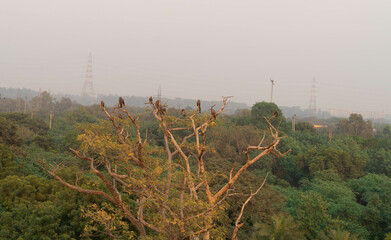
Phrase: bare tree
x=169 y=195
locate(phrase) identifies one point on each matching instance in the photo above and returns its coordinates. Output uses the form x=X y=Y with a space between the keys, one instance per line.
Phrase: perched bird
x=199 y=106
x=213 y=113
x=276 y=114
x=150 y=100
x=121 y=102
x=160 y=109
x=102 y=104
x=183 y=112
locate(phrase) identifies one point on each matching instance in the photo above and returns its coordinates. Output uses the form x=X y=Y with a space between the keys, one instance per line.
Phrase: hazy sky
x=204 y=49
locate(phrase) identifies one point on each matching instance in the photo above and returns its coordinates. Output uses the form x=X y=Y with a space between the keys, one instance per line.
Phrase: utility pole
x=294 y=122
x=18 y=101
x=25 y=105
x=330 y=134
x=330 y=130
x=40 y=99
x=271 y=96
x=50 y=119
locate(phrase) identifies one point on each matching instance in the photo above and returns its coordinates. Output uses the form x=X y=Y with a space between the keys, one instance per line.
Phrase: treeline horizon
x=325 y=187
x=10 y=94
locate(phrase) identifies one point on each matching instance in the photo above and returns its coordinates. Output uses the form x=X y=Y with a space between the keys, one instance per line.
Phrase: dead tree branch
x=239 y=224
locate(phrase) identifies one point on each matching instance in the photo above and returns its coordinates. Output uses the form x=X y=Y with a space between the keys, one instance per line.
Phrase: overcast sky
x=204 y=49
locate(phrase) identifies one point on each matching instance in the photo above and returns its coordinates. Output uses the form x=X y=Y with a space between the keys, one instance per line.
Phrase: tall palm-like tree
x=339 y=234
x=281 y=228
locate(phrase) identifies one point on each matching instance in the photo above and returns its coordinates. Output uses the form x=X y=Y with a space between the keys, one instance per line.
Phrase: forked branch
x=239 y=224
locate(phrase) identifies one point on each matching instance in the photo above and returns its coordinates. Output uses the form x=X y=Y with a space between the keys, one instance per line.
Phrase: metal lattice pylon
x=312 y=106
x=88 y=92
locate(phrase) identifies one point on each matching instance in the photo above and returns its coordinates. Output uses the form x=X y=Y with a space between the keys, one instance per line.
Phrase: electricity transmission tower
x=313 y=109
x=159 y=93
x=88 y=93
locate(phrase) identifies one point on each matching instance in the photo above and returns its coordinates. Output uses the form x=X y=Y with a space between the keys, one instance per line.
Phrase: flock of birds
x=162 y=110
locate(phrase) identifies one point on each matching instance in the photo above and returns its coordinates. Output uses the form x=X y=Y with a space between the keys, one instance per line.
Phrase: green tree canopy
x=355 y=126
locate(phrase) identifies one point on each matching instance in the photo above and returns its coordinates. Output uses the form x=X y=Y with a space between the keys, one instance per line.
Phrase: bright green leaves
x=8 y=164
x=100 y=139
x=106 y=220
x=347 y=165
x=281 y=228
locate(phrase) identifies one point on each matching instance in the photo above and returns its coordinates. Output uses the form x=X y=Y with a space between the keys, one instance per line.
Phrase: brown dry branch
x=184 y=200
x=239 y=224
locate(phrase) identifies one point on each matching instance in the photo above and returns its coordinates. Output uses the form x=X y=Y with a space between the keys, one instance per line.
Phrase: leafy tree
x=45 y=142
x=242 y=118
x=342 y=202
x=165 y=190
x=106 y=221
x=327 y=175
x=16 y=190
x=281 y=228
x=37 y=208
x=266 y=109
x=385 y=132
x=380 y=162
x=347 y=165
x=229 y=141
x=8 y=164
x=312 y=214
x=355 y=126
x=305 y=128
x=39 y=221
x=65 y=129
x=55 y=217
x=37 y=125
x=256 y=116
x=339 y=235
x=8 y=133
x=374 y=192
x=64 y=105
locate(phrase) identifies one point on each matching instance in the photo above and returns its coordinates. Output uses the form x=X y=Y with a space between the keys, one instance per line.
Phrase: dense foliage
x=338 y=189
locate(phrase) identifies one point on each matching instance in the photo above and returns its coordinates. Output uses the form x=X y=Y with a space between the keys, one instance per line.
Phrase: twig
x=238 y=224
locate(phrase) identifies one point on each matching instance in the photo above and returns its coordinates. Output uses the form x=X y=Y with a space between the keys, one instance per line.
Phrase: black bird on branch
x=213 y=113
x=150 y=100
x=157 y=104
x=199 y=106
x=160 y=109
x=276 y=114
x=121 y=102
x=183 y=112
x=102 y=104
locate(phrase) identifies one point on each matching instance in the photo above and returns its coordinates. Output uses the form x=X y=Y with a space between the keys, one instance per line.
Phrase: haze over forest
x=160 y=149
x=203 y=49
